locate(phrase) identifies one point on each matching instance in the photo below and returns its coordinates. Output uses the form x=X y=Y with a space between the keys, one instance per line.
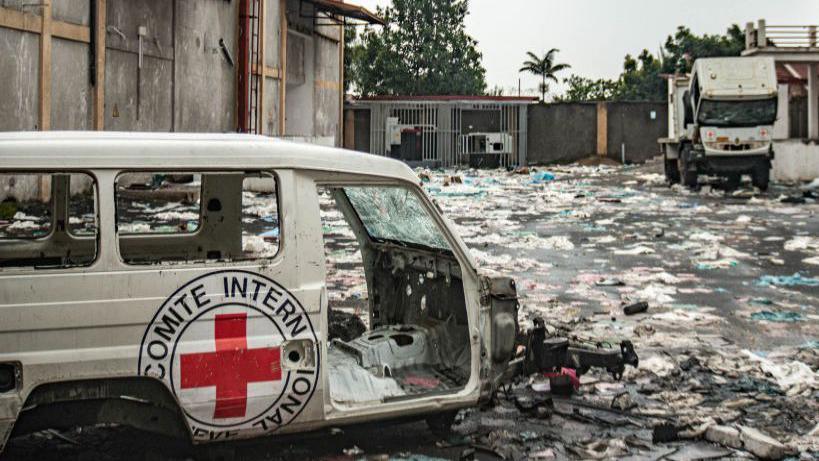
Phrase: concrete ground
x=729 y=343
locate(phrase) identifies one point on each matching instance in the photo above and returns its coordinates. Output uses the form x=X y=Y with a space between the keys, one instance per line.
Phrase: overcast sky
x=594 y=35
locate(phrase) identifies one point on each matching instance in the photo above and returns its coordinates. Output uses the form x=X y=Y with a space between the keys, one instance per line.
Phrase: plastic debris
x=623 y=402
x=541 y=177
x=788 y=280
x=635 y=308
x=353 y=451
x=778 y=316
x=563 y=382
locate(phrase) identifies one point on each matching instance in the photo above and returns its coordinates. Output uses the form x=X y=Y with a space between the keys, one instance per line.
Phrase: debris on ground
x=635 y=308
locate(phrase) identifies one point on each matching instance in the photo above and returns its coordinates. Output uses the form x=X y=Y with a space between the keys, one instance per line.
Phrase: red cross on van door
x=231 y=367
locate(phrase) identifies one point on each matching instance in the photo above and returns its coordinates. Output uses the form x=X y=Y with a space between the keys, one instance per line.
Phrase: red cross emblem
x=231 y=367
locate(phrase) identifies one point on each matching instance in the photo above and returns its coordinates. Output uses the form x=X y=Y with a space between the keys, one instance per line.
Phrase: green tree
x=352 y=49
x=423 y=50
x=641 y=79
x=684 y=47
x=586 y=89
x=544 y=67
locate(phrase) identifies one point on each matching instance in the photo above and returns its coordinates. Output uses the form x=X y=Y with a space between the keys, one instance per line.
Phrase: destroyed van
x=189 y=285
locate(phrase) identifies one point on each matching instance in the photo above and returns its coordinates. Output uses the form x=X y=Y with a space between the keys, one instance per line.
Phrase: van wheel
x=440 y=424
x=672 y=172
x=761 y=175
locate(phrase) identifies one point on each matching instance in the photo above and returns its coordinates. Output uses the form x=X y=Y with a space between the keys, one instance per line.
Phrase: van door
x=399 y=314
x=214 y=260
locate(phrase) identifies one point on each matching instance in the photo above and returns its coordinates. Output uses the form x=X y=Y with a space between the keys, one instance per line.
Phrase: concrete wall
x=635 y=126
x=71 y=99
x=19 y=92
x=314 y=89
x=782 y=127
x=185 y=82
x=561 y=132
x=273 y=29
x=796 y=160
x=300 y=84
x=205 y=90
x=139 y=99
x=327 y=102
x=567 y=132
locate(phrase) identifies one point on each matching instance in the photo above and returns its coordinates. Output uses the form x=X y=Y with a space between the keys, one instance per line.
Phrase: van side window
x=47 y=220
x=177 y=217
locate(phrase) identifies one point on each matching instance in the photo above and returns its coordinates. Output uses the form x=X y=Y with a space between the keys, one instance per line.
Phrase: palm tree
x=544 y=67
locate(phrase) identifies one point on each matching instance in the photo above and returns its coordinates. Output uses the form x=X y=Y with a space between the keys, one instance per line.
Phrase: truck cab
x=724 y=120
x=222 y=287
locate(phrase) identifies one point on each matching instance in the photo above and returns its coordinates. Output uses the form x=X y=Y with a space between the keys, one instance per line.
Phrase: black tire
x=733 y=181
x=440 y=424
x=688 y=172
x=672 y=172
x=761 y=175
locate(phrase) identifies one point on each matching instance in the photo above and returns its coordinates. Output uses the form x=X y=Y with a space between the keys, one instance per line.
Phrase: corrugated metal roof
x=347 y=9
x=450 y=98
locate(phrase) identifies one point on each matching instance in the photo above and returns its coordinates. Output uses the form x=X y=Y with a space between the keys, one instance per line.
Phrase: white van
x=189 y=284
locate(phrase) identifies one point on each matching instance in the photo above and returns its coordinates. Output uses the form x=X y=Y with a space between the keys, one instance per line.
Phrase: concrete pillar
x=602 y=129
x=749 y=36
x=782 y=125
x=813 y=102
x=349 y=129
x=761 y=35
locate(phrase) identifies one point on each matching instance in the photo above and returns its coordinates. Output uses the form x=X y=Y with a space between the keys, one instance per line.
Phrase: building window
x=47 y=220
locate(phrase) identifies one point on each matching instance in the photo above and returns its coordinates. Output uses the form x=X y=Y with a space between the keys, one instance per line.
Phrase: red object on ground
x=570 y=372
x=422 y=381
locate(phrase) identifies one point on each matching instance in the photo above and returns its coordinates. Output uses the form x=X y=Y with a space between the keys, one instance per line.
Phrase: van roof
x=170 y=151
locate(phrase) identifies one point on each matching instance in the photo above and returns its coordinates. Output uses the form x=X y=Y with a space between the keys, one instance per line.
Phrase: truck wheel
x=689 y=178
x=672 y=173
x=733 y=181
x=687 y=173
x=761 y=175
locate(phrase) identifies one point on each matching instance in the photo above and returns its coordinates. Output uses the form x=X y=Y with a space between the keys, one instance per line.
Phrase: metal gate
x=442 y=138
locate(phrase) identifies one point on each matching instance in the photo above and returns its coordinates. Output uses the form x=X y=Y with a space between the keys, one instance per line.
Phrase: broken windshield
x=737 y=113
x=395 y=213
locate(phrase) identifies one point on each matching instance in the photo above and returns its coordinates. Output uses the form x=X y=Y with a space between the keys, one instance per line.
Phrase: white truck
x=720 y=119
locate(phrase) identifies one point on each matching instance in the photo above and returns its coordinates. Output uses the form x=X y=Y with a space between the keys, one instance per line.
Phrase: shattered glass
x=395 y=214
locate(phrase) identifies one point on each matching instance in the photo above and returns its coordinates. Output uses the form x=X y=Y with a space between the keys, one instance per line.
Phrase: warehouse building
x=273 y=67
